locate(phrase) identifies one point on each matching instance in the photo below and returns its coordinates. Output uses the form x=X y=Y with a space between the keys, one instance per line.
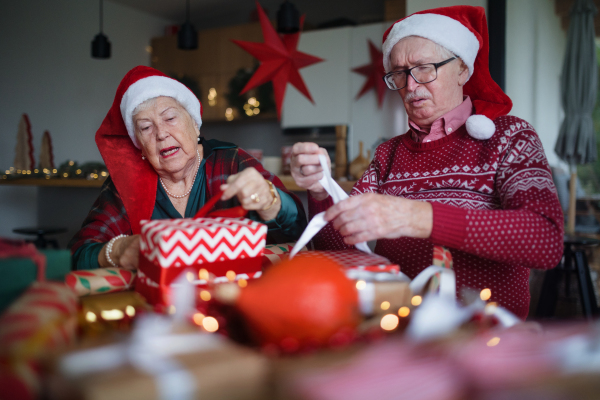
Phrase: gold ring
x=254 y=197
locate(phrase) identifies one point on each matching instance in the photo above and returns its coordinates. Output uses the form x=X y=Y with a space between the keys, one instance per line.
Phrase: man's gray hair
x=440 y=51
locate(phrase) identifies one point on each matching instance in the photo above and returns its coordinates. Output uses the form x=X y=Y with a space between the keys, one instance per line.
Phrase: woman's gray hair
x=151 y=103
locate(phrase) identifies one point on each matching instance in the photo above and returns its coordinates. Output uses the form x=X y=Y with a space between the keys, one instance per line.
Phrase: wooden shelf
x=290 y=184
x=75 y=183
x=287 y=181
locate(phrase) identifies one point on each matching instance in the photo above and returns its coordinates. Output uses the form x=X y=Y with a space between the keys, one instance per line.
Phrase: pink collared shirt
x=444 y=125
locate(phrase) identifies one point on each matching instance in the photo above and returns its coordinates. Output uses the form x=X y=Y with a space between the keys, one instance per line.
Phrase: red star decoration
x=374 y=73
x=280 y=61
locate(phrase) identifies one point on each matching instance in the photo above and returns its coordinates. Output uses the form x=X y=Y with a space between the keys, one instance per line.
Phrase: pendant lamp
x=288 y=18
x=187 y=38
x=100 y=44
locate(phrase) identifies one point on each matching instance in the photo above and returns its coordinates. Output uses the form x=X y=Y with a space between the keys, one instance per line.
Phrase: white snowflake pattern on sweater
x=494 y=205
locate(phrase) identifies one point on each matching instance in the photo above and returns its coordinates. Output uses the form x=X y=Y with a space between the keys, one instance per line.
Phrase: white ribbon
x=150 y=348
x=505 y=318
x=440 y=313
x=318 y=222
x=447 y=281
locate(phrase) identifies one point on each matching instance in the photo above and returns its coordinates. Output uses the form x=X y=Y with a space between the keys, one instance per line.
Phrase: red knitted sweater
x=494 y=205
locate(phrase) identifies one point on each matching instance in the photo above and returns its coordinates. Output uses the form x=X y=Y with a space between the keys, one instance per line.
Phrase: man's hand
x=306 y=169
x=374 y=216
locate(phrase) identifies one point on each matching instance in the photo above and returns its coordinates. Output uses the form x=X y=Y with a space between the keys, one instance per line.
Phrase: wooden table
x=74 y=183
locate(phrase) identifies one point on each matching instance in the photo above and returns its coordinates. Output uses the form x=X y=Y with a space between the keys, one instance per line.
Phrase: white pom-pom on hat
x=480 y=127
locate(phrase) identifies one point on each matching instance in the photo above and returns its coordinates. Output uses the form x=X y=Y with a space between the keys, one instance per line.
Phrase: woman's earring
x=199 y=139
x=143 y=158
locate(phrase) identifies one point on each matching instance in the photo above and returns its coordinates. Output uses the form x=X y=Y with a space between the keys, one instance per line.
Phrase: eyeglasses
x=423 y=73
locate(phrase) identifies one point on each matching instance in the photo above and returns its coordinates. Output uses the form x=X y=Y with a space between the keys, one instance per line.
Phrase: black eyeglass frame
x=409 y=72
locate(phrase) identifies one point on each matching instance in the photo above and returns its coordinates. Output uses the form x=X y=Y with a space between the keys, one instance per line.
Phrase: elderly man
x=466 y=175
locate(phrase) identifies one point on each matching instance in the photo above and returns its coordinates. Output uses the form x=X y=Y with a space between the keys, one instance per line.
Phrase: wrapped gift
x=110 y=312
x=274 y=253
x=102 y=280
x=388 y=370
x=365 y=266
x=21 y=264
x=227 y=248
x=160 y=361
x=359 y=260
x=43 y=319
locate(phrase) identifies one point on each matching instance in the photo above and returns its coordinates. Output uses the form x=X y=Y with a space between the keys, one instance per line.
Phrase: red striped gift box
x=227 y=248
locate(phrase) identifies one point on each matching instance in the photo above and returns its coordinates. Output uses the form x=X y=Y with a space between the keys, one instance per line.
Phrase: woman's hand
x=374 y=216
x=253 y=193
x=306 y=168
x=125 y=253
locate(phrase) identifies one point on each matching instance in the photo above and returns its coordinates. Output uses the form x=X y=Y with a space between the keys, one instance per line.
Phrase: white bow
x=150 y=349
x=440 y=313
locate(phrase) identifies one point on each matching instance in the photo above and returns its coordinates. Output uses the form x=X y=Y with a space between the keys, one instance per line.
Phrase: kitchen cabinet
x=211 y=65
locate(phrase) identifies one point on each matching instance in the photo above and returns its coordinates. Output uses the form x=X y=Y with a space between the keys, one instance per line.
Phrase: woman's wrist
x=108 y=251
x=272 y=209
x=274 y=198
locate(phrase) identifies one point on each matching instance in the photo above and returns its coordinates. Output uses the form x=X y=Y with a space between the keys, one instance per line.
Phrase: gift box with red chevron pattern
x=227 y=248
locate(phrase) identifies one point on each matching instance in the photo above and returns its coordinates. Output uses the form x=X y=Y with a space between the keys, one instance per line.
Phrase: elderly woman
x=160 y=167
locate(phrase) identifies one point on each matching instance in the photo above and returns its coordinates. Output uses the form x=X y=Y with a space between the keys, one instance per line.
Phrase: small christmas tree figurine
x=24 y=150
x=46 y=153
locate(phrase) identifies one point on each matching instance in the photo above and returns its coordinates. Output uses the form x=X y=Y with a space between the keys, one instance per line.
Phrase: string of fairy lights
x=69 y=169
x=388 y=322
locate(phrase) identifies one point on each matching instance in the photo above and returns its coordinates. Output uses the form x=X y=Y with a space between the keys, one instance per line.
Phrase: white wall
x=46 y=71
x=334 y=86
x=535 y=47
x=368 y=122
x=327 y=81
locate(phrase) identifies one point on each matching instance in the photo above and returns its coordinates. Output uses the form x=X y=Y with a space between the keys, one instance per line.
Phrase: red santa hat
x=119 y=147
x=463 y=31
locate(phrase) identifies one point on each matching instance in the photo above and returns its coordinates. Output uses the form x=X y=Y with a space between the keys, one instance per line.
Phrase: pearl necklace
x=190 y=189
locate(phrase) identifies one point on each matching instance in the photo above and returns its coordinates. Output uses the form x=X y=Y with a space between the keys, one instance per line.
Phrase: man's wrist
x=422 y=219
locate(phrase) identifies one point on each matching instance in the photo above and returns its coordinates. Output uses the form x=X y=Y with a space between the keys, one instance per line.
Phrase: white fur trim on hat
x=440 y=29
x=480 y=127
x=155 y=86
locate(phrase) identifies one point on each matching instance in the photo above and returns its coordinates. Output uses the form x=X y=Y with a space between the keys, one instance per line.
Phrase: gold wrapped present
x=110 y=312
